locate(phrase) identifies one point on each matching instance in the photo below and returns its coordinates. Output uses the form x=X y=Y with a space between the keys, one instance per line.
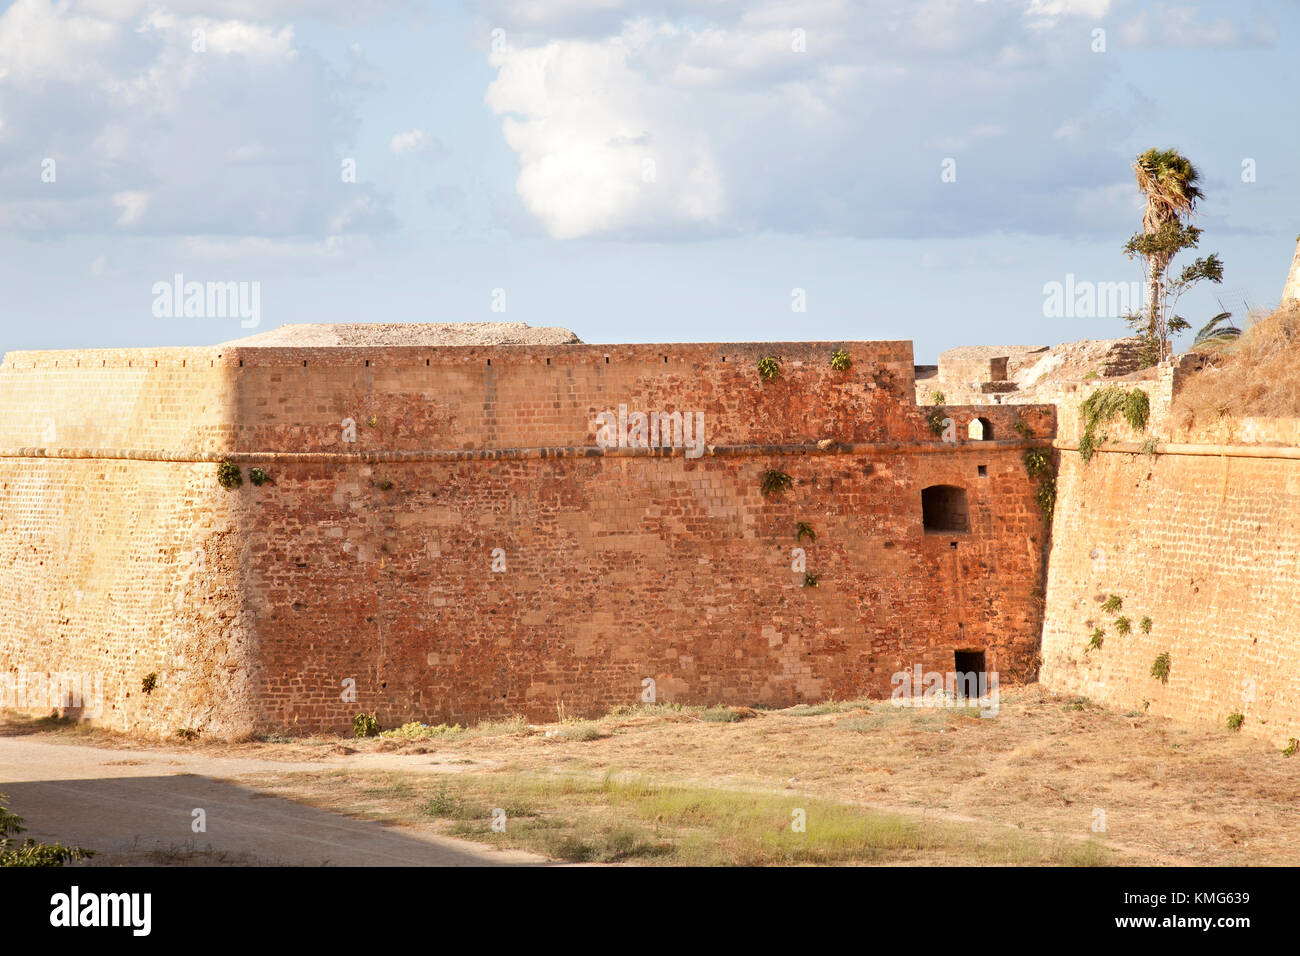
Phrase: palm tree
x=1169 y=181
x=1218 y=330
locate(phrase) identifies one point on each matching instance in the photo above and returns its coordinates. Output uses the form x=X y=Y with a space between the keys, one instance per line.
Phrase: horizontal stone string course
x=499 y=454
x=1196 y=450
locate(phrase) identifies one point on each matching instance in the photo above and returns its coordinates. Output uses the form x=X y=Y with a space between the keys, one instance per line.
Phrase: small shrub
x=841 y=361
x=149 y=683
x=769 y=369
x=229 y=475
x=29 y=852
x=584 y=730
x=1123 y=625
x=1145 y=625
x=418 y=731
x=1235 y=720
x=385 y=484
x=444 y=804
x=802 y=530
x=774 y=483
x=938 y=398
x=188 y=733
x=259 y=477
x=1036 y=462
x=720 y=715
x=1021 y=428
x=1149 y=447
x=1292 y=747
x=1045 y=495
x=1160 y=668
x=810 y=580
x=1112 y=603
x=1097 y=635
x=1104 y=406
x=365 y=725
x=372 y=421
x=935 y=421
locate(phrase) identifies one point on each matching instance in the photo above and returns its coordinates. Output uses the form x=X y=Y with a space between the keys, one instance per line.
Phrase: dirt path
x=137 y=808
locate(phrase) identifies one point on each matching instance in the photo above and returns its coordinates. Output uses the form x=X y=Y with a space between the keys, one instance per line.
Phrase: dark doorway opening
x=971 y=678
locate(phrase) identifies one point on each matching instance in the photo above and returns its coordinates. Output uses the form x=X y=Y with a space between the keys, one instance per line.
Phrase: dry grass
x=884 y=784
x=1039 y=770
x=614 y=818
x=1257 y=375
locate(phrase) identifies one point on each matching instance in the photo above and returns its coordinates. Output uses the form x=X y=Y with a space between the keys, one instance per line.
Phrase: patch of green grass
x=826 y=707
x=616 y=819
x=1235 y=720
x=1112 y=603
x=1145 y=625
x=1123 y=625
x=1292 y=747
x=859 y=725
x=841 y=360
x=769 y=368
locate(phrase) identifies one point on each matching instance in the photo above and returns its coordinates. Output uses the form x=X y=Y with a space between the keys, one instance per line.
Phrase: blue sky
x=637 y=172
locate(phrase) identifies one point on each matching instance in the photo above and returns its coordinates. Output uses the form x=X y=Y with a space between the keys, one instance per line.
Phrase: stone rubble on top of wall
x=1020 y=374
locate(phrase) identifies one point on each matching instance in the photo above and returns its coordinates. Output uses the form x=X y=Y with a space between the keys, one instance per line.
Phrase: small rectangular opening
x=983 y=471
x=971 y=678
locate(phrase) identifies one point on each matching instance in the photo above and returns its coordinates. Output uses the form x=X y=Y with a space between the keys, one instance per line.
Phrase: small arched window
x=981 y=429
x=944 y=509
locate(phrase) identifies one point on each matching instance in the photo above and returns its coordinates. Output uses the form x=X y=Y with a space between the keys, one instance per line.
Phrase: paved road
x=136 y=807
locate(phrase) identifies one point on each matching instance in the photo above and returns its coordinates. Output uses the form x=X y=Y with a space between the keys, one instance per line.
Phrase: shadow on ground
x=149 y=820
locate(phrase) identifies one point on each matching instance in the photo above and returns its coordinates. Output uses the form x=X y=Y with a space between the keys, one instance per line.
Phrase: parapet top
x=426 y=334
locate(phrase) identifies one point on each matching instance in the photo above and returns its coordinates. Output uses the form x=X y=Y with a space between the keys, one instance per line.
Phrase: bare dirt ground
x=1050 y=779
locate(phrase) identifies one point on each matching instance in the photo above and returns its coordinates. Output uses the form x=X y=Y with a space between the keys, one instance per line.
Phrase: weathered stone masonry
x=373 y=560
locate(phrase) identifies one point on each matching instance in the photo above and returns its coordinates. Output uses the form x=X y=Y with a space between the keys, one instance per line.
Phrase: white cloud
x=152 y=136
x=621 y=159
x=706 y=120
x=415 y=141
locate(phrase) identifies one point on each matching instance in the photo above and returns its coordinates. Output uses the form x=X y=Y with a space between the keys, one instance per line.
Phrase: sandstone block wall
x=1206 y=547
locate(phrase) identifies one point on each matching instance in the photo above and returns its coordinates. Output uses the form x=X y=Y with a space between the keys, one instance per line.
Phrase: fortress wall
x=477 y=398
x=617 y=568
x=114 y=570
x=116 y=398
x=1205 y=545
x=621 y=569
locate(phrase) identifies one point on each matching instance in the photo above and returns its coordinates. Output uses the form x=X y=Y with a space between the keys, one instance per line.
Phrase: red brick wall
x=618 y=568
